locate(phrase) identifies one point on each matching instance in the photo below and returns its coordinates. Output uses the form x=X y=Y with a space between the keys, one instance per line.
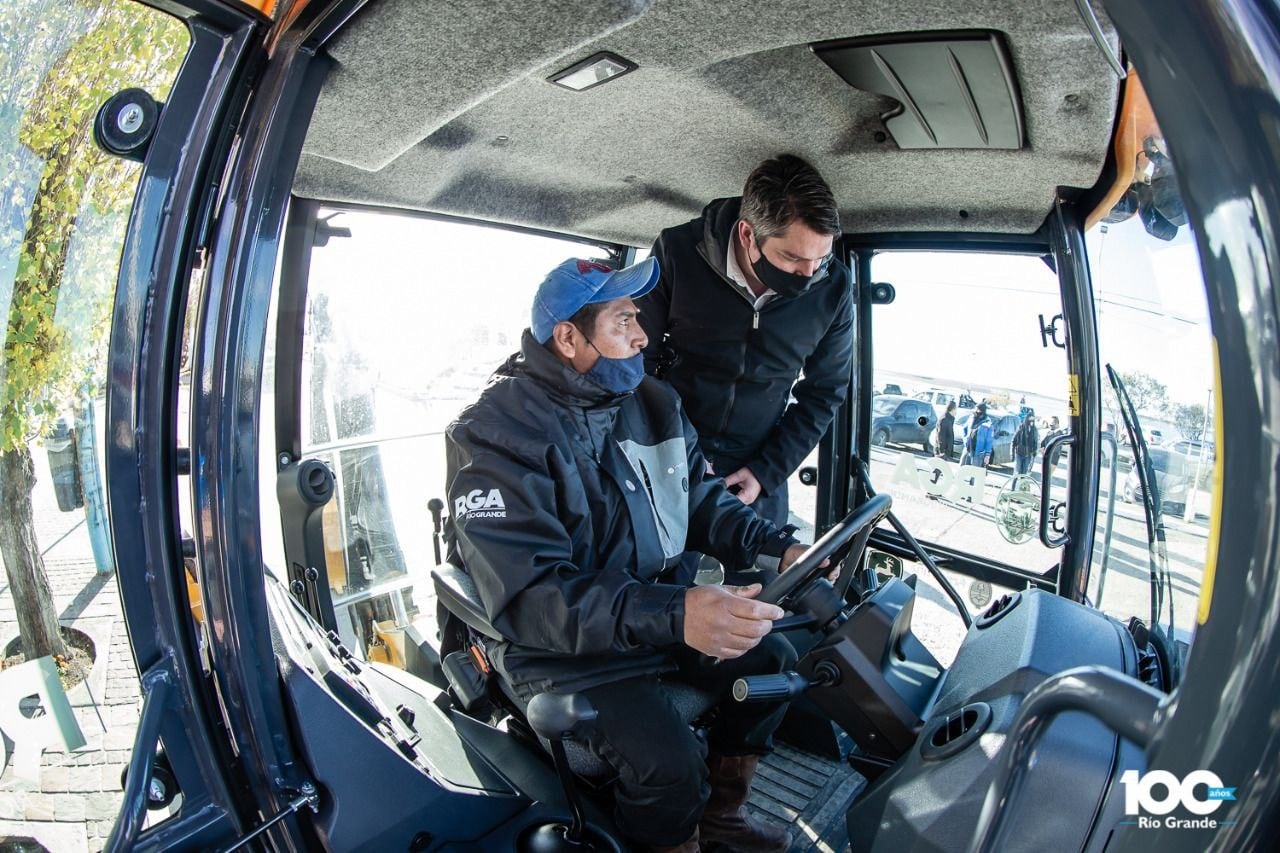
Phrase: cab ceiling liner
x=954 y=90
x=413 y=67
x=459 y=89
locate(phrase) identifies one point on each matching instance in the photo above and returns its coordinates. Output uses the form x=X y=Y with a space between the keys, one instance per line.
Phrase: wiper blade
x=1157 y=552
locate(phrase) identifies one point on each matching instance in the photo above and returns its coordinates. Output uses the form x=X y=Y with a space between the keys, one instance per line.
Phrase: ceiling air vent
x=950 y=734
x=953 y=89
x=998 y=608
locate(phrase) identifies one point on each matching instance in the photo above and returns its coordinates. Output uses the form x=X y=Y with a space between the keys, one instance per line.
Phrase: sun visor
x=954 y=90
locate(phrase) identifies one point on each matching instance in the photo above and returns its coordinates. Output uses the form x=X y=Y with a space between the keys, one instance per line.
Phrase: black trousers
x=661 y=766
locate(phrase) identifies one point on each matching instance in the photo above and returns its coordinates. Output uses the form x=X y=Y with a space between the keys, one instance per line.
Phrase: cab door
x=200 y=245
x=989 y=321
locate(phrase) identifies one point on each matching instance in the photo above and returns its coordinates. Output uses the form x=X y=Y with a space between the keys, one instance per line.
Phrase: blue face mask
x=617 y=374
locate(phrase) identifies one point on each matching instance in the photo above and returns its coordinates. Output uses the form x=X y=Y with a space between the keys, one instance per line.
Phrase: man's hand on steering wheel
x=795 y=552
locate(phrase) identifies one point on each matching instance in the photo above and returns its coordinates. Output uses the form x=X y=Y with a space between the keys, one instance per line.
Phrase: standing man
x=577 y=484
x=750 y=296
x=1026 y=441
x=947 y=433
x=978 y=439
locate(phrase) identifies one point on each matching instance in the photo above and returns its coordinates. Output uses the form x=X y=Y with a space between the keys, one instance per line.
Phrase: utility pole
x=1189 y=511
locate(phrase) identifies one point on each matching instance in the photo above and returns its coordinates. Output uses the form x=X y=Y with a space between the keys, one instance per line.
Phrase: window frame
x=1060 y=243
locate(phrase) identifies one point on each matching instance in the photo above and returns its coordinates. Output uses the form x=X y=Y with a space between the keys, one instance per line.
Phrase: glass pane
x=390 y=357
x=1153 y=330
x=64 y=204
x=964 y=333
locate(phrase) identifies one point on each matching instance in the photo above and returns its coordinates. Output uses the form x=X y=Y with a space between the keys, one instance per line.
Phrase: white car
x=937 y=398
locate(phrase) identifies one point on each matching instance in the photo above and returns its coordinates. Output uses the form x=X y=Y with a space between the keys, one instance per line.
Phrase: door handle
x=1049 y=539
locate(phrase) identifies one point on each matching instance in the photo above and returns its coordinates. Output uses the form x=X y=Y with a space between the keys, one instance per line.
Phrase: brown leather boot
x=726 y=821
x=690 y=846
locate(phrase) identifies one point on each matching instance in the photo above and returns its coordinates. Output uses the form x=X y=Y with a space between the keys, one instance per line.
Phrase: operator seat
x=457 y=593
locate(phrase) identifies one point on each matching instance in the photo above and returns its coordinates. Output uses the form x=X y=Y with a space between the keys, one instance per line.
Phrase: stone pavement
x=75 y=803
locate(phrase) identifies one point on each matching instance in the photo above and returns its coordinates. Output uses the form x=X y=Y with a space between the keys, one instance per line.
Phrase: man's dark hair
x=584 y=319
x=783 y=189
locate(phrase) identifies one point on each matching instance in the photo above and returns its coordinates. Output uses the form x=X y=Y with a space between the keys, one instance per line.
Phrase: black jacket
x=946 y=433
x=736 y=367
x=571 y=506
x=1027 y=439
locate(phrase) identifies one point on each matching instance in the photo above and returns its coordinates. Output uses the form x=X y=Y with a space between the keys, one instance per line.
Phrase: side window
x=69 y=685
x=966 y=327
x=406 y=320
x=1153 y=330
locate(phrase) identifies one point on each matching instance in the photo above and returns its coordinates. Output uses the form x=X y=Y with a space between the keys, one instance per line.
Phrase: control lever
x=436 y=507
x=865 y=581
x=555 y=717
x=784 y=685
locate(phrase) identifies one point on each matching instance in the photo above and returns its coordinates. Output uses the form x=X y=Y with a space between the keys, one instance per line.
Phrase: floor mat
x=808 y=795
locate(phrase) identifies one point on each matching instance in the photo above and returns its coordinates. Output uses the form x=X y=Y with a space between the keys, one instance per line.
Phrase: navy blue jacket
x=571 y=507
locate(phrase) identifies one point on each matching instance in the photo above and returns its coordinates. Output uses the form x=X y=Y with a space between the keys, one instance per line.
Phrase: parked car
x=1194 y=448
x=937 y=398
x=900 y=420
x=1174 y=472
x=1003 y=426
x=892 y=388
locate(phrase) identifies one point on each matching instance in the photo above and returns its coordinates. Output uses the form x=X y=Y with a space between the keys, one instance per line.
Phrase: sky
x=974 y=320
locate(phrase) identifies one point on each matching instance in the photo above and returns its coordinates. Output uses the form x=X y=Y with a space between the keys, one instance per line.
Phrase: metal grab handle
x=157 y=684
x=1046 y=482
x=1124 y=705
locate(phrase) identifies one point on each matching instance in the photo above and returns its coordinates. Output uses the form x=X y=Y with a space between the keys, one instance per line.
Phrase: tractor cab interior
x=1000 y=176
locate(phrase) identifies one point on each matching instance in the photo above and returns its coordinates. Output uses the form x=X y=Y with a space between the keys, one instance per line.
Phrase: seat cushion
x=690 y=703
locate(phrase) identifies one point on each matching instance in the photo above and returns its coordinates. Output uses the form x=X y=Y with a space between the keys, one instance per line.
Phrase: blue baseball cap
x=576 y=283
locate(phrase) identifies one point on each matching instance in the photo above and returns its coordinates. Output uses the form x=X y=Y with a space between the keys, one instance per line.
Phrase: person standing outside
x=751 y=296
x=1026 y=441
x=978 y=439
x=947 y=433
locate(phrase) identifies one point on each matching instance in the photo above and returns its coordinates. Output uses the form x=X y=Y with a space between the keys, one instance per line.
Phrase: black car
x=902 y=421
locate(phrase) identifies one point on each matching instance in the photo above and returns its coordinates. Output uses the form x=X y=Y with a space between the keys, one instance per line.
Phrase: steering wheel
x=855 y=527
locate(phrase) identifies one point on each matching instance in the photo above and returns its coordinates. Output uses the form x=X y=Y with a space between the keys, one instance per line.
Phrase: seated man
x=577 y=483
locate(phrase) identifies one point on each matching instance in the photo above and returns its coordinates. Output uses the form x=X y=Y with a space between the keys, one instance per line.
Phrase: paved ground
x=75 y=803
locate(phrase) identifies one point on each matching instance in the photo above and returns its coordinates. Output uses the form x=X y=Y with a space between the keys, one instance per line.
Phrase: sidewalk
x=74 y=806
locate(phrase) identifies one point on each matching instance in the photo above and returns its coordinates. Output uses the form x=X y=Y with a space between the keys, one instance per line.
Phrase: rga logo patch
x=478 y=503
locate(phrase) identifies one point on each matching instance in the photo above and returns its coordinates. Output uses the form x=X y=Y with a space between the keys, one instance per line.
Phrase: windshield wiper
x=1157 y=551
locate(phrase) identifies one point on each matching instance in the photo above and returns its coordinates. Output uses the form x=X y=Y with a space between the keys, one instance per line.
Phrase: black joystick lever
x=784 y=685
x=556 y=717
x=436 y=507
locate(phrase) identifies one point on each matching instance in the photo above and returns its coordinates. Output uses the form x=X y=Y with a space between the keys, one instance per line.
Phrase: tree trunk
x=37 y=616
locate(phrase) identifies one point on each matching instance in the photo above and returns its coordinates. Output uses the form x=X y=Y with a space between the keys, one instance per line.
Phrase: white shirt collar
x=734 y=271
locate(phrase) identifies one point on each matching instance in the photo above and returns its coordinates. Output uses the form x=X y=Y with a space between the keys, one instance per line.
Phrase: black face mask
x=786 y=283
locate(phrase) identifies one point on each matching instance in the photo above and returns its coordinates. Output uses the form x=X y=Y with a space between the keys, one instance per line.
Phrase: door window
x=965 y=329
x=69 y=688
